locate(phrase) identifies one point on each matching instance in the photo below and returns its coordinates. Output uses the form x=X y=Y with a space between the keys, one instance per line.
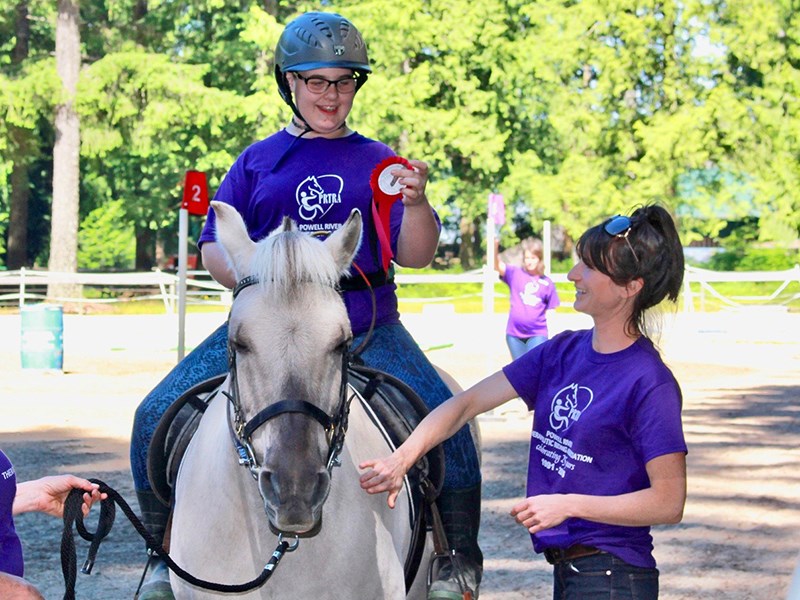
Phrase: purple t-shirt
x=10 y=547
x=598 y=419
x=531 y=297
x=317 y=183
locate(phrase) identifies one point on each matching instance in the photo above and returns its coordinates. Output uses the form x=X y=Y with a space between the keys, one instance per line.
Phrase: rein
x=73 y=514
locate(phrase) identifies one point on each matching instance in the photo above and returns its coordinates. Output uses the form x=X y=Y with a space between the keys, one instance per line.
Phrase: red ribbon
x=382 y=201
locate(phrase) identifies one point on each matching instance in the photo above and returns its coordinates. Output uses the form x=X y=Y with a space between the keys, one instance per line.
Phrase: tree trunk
x=270 y=7
x=17 y=246
x=145 y=244
x=161 y=250
x=469 y=250
x=22 y=28
x=17 y=243
x=66 y=151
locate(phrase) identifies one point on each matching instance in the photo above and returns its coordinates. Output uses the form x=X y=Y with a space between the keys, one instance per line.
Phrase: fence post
x=547 y=247
x=688 y=301
x=21 y=287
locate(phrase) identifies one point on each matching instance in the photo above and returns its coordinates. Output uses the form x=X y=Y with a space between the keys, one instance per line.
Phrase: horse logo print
x=529 y=294
x=316 y=195
x=568 y=405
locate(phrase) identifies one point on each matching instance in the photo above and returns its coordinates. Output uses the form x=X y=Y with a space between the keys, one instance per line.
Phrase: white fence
x=705 y=279
x=26 y=285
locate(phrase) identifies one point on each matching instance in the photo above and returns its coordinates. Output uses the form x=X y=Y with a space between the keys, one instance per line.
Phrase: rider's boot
x=461 y=517
x=155 y=516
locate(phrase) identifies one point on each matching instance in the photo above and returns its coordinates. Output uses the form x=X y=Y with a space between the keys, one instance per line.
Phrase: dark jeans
x=391 y=349
x=603 y=577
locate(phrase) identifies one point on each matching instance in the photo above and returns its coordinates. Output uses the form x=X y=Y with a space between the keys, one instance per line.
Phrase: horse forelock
x=287 y=259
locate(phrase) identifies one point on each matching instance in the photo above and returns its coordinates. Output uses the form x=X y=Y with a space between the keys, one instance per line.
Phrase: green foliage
x=755 y=259
x=104 y=241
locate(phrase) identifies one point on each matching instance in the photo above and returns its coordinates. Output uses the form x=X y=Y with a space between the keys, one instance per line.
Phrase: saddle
x=395 y=408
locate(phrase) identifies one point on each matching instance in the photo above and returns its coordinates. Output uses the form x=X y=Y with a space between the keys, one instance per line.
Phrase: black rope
x=73 y=514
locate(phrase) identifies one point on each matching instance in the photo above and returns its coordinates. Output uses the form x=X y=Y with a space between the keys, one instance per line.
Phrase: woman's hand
x=538 y=513
x=384 y=475
x=48 y=494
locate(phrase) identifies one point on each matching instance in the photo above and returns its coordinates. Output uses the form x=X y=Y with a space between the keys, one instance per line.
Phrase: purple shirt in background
x=318 y=182
x=598 y=419
x=531 y=296
x=10 y=546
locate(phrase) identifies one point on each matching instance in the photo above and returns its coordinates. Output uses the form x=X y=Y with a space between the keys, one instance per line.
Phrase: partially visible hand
x=385 y=475
x=538 y=513
x=414 y=181
x=48 y=494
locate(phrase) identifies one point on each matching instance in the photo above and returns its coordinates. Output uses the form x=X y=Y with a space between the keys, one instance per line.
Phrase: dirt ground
x=740 y=373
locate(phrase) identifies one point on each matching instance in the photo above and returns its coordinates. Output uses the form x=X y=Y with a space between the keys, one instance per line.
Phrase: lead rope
x=73 y=514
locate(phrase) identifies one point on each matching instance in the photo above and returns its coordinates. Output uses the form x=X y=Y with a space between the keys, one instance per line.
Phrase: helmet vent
x=323 y=28
x=307 y=37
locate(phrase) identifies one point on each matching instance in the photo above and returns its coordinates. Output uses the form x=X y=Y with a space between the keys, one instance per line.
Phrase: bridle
x=242 y=430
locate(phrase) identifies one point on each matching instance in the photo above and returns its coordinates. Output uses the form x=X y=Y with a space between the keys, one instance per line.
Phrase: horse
x=279 y=413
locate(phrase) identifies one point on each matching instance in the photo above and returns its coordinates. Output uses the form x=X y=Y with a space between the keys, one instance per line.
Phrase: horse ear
x=344 y=242
x=233 y=238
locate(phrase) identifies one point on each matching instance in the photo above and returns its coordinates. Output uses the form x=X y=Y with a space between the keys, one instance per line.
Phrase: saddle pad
x=173 y=434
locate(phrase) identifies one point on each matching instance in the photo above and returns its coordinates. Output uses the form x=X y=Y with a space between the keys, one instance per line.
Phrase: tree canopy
x=572 y=110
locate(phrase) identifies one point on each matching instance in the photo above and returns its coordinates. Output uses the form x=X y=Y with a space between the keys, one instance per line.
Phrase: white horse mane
x=287 y=258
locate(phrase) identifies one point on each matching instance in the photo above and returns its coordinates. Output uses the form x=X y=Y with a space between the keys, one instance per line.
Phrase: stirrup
x=456 y=578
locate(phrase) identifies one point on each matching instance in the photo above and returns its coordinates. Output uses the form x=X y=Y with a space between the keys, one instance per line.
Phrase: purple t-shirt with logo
x=10 y=547
x=531 y=296
x=598 y=419
x=317 y=183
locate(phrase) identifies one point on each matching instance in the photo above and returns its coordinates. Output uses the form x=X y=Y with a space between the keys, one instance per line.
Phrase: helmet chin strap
x=299 y=122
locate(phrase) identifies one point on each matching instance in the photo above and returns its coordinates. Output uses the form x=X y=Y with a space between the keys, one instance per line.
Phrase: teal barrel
x=42 y=337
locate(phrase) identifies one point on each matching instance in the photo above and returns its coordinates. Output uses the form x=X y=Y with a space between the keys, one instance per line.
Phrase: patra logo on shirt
x=316 y=195
x=568 y=405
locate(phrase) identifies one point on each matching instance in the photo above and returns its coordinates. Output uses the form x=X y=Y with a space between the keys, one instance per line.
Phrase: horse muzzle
x=294 y=505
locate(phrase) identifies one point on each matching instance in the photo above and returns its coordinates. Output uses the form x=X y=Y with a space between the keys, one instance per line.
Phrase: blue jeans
x=519 y=346
x=391 y=349
x=603 y=577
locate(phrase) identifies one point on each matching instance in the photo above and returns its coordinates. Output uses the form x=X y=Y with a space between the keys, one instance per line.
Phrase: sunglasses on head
x=620 y=226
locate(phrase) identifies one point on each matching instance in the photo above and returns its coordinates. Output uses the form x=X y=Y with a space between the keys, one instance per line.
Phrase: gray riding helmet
x=317 y=40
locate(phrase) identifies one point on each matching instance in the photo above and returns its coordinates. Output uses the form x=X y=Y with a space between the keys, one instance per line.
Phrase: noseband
x=242 y=431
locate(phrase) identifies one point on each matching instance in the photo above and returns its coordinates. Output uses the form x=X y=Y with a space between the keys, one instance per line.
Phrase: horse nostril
x=268 y=486
x=323 y=487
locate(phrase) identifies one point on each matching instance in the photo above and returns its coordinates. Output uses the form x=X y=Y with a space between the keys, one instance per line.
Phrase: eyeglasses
x=319 y=85
x=620 y=226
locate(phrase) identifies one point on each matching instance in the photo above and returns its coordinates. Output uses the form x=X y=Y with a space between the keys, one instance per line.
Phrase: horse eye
x=344 y=345
x=238 y=345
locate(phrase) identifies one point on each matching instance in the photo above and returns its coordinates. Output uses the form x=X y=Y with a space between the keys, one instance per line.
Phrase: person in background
x=532 y=294
x=46 y=495
x=316 y=170
x=607 y=454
